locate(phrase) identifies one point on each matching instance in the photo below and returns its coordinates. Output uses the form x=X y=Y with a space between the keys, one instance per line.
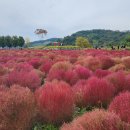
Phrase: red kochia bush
x=106 y=62
x=23 y=67
x=90 y=62
x=82 y=72
x=79 y=90
x=3 y=88
x=121 y=106
x=3 y=75
x=45 y=67
x=126 y=61
x=17 y=108
x=3 y=79
x=63 y=71
x=55 y=102
x=35 y=62
x=95 y=120
x=3 y=70
x=127 y=83
x=118 y=80
x=99 y=91
x=102 y=73
x=25 y=79
x=118 y=67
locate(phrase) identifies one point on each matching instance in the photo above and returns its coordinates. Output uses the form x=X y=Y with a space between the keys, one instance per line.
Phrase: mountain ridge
x=96 y=37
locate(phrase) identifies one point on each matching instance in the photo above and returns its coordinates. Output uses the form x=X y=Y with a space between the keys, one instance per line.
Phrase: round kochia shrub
x=95 y=120
x=98 y=92
x=63 y=71
x=23 y=67
x=79 y=90
x=127 y=83
x=118 y=67
x=35 y=62
x=3 y=79
x=118 y=79
x=24 y=78
x=17 y=108
x=90 y=62
x=55 y=102
x=106 y=62
x=45 y=67
x=101 y=73
x=82 y=72
x=126 y=61
x=121 y=106
x=3 y=70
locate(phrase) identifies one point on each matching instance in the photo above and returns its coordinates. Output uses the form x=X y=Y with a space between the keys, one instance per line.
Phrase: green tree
x=21 y=41
x=128 y=40
x=82 y=42
x=2 y=41
x=8 y=41
x=69 y=40
x=15 y=41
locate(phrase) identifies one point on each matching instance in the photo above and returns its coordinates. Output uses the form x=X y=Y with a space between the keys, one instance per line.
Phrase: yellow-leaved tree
x=27 y=42
x=82 y=42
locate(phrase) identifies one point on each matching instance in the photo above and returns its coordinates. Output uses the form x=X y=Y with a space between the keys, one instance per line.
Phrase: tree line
x=11 y=41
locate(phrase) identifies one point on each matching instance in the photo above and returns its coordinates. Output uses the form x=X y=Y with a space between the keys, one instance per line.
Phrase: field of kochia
x=64 y=90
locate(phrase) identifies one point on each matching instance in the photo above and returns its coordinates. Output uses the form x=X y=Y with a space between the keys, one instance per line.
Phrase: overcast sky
x=62 y=17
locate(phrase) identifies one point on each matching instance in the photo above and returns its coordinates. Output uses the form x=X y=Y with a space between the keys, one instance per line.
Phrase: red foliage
x=3 y=75
x=126 y=126
x=72 y=126
x=55 y=101
x=93 y=63
x=45 y=67
x=67 y=76
x=126 y=61
x=79 y=90
x=3 y=88
x=25 y=79
x=118 y=67
x=106 y=62
x=90 y=62
x=127 y=83
x=62 y=66
x=118 y=80
x=73 y=59
x=70 y=77
x=99 y=92
x=23 y=67
x=63 y=71
x=3 y=70
x=35 y=63
x=82 y=72
x=101 y=73
x=3 y=80
x=28 y=68
x=121 y=106
x=95 y=120
x=17 y=108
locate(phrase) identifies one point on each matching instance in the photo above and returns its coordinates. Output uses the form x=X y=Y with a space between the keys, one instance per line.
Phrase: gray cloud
x=62 y=17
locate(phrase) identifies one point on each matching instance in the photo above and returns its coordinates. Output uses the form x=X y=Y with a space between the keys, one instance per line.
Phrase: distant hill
x=99 y=37
x=44 y=42
x=96 y=37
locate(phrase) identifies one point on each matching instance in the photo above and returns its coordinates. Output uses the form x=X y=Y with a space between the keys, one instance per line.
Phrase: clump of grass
x=39 y=126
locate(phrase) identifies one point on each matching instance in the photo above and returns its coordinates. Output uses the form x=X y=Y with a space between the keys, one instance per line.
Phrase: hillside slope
x=99 y=37
x=96 y=37
x=44 y=42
